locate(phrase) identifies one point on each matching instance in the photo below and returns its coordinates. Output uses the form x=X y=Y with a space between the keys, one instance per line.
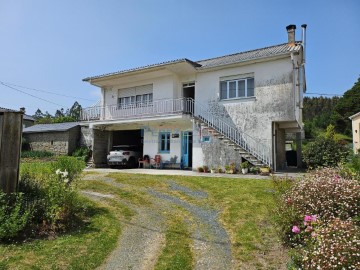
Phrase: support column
x=298 y=150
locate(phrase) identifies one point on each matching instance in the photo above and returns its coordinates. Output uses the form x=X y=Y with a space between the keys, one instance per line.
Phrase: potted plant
x=219 y=170
x=227 y=168
x=254 y=170
x=213 y=170
x=244 y=167
x=206 y=169
x=200 y=169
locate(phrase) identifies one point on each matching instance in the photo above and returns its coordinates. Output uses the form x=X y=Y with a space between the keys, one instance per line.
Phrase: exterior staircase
x=250 y=149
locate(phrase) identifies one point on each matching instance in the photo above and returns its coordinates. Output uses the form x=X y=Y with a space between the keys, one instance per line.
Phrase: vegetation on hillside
x=61 y=116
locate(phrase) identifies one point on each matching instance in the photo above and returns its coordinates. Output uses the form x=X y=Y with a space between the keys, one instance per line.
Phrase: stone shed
x=60 y=138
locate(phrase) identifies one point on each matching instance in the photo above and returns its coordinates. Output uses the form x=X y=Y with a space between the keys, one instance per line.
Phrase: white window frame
x=236 y=88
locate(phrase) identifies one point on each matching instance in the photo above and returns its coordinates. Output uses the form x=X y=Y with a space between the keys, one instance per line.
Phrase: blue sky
x=53 y=45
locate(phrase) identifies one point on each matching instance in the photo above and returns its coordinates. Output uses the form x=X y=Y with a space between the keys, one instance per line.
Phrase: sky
x=50 y=46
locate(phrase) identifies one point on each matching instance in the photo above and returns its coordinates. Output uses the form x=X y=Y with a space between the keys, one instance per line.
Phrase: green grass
x=176 y=254
x=245 y=206
x=84 y=248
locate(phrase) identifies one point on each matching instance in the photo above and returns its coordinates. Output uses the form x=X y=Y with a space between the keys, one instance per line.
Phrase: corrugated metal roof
x=266 y=52
x=250 y=55
x=51 y=127
x=143 y=67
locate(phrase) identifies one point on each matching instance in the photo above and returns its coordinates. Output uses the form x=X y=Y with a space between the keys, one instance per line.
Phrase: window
x=138 y=100
x=238 y=88
x=164 y=142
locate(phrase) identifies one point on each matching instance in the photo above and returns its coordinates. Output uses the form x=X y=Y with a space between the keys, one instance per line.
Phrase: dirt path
x=143 y=237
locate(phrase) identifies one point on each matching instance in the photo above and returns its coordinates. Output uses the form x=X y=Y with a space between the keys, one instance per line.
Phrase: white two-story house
x=210 y=112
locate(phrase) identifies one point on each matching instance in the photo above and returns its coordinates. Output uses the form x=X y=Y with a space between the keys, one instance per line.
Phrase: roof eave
x=154 y=67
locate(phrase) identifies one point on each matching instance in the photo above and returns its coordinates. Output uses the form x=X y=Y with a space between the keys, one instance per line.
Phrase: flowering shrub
x=334 y=246
x=49 y=189
x=317 y=216
x=326 y=194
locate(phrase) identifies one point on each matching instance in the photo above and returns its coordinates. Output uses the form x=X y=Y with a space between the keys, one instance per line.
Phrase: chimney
x=291 y=34
x=22 y=109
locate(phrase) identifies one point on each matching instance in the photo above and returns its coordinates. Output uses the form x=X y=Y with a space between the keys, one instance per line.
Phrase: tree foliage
x=61 y=116
x=348 y=105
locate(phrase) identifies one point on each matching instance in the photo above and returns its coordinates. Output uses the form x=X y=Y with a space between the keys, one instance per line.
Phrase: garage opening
x=129 y=144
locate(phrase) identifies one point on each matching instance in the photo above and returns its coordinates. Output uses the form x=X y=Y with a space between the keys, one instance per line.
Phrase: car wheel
x=131 y=162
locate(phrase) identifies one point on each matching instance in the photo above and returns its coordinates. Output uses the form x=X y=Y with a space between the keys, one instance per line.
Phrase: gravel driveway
x=143 y=238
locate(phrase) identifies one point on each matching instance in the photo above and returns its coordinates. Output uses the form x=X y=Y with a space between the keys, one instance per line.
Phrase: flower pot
x=244 y=170
x=213 y=171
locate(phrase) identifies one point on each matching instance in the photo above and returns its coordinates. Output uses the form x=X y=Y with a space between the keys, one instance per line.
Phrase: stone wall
x=54 y=142
x=217 y=153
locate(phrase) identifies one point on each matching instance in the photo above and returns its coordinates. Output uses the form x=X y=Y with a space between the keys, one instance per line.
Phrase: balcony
x=161 y=107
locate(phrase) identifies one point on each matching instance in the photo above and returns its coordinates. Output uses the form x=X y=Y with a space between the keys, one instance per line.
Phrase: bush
x=323 y=193
x=333 y=246
x=36 y=154
x=324 y=152
x=15 y=215
x=318 y=216
x=50 y=189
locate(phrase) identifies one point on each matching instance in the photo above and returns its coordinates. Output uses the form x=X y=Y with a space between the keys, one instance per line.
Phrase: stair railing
x=257 y=149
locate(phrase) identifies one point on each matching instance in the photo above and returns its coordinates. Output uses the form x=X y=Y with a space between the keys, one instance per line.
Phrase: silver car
x=126 y=155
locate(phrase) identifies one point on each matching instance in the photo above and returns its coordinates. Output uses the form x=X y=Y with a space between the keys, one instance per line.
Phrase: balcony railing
x=155 y=108
x=260 y=151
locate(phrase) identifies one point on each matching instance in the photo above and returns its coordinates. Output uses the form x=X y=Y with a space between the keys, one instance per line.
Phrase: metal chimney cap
x=291 y=27
x=304 y=25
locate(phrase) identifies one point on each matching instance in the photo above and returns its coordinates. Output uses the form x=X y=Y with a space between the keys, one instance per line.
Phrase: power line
x=44 y=91
x=31 y=95
x=320 y=94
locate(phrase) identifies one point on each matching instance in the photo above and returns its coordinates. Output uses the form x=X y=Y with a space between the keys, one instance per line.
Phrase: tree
x=75 y=111
x=348 y=105
x=38 y=114
x=59 y=113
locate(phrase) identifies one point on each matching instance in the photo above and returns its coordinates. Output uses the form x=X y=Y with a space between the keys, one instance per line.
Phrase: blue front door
x=186 y=145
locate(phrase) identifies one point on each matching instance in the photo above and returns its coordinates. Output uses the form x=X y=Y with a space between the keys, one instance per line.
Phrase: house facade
x=355 y=120
x=211 y=112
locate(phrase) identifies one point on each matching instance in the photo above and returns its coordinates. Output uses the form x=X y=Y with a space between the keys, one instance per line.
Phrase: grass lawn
x=244 y=207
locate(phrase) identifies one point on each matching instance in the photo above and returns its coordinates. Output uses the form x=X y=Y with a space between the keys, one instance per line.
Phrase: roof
x=28 y=117
x=7 y=110
x=267 y=52
x=58 y=127
x=354 y=116
x=277 y=50
x=25 y=117
x=182 y=60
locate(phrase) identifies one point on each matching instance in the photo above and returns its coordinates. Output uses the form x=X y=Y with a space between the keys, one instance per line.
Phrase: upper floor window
x=138 y=100
x=237 y=88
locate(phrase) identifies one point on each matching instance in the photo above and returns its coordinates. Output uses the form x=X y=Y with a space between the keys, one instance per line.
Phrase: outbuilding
x=59 y=138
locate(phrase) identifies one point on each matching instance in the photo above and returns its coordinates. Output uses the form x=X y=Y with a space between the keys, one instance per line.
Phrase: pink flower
x=305 y=223
x=307 y=218
x=313 y=234
x=295 y=229
x=308 y=229
x=313 y=218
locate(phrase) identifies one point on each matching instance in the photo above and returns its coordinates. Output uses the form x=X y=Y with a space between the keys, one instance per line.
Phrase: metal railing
x=136 y=110
x=260 y=151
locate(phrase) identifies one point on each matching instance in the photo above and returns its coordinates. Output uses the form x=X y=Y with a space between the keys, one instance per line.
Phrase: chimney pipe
x=303 y=40
x=291 y=34
x=22 y=109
